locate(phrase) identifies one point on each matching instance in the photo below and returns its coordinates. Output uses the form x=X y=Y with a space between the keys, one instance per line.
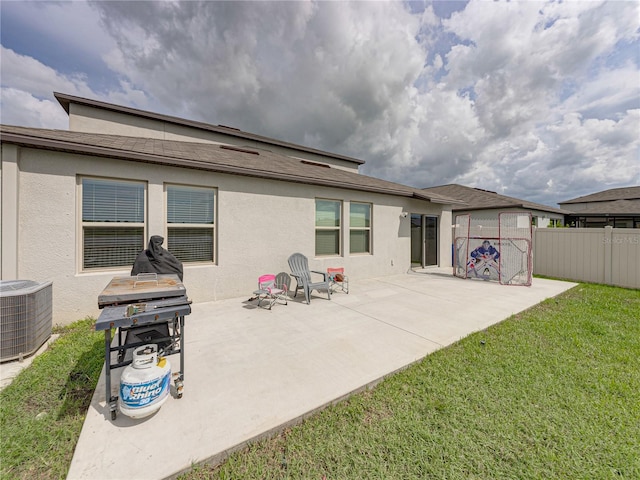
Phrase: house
x=617 y=207
x=78 y=205
x=486 y=204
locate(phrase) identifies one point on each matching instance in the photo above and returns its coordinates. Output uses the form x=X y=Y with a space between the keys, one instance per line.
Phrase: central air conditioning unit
x=25 y=317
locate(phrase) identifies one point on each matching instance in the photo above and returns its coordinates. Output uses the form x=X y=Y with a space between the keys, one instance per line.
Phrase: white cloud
x=533 y=99
x=74 y=25
x=292 y=70
x=27 y=91
x=607 y=94
x=518 y=60
x=598 y=148
x=18 y=107
x=27 y=74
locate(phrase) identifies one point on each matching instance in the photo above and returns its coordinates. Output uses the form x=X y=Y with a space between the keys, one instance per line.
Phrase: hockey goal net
x=494 y=249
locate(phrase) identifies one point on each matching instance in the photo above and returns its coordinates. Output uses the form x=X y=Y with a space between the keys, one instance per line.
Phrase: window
x=190 y=223
x=113 y=222
x=328 y=213
x=360 y=228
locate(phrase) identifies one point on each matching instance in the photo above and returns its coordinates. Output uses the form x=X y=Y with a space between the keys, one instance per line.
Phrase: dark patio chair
x=299 y=266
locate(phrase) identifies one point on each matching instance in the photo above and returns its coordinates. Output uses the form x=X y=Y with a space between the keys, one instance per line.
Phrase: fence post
x=608 y=246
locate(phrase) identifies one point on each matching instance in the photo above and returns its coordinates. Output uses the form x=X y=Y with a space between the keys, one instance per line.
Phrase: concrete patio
x=251 y=372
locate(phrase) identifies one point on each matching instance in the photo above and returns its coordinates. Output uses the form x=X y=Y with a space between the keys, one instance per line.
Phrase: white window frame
x=200 y=226
x=325 y=228
x=368 y=229
x=84 y=225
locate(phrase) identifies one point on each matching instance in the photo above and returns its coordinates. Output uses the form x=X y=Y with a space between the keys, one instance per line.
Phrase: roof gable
x=615 y=207
x=66 y=100
x=625 y=193
x=479 y=199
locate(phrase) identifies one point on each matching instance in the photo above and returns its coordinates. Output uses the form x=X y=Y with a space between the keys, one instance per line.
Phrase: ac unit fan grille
x=25 y=317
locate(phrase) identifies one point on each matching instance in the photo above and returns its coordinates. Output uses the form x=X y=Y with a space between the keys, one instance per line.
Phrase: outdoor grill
x=147 y=308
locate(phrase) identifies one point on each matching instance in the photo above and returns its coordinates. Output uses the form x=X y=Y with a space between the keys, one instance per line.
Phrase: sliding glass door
x=424 y=240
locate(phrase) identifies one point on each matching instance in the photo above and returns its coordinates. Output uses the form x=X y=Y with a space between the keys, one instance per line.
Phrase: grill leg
x=180 y=380
x=112 y=401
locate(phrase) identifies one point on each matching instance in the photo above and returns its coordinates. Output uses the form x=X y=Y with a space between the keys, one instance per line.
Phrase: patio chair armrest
x=325 y=275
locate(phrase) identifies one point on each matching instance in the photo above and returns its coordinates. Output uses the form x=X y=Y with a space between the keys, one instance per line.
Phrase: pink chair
x=270 y=292
x=338 y=280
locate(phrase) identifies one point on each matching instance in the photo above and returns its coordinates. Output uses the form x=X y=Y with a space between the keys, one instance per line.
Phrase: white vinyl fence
x=598 y=255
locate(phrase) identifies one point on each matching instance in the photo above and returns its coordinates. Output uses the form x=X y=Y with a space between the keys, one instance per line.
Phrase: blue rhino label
x=137 y=395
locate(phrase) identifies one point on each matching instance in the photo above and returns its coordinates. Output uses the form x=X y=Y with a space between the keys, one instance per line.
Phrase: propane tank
x=144 y=384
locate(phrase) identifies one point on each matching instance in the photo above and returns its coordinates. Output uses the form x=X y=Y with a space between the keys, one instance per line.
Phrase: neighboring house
x=486 y=204
x=78 y=205
x=617 y=207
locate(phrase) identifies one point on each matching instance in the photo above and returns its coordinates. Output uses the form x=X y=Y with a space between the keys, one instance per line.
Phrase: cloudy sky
x=536 y=100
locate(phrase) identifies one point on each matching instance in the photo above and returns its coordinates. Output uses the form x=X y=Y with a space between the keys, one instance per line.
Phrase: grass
x=549 y=393
x=42 y=411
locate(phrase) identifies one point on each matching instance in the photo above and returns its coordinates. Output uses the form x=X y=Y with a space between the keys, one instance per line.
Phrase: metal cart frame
x=130 y=311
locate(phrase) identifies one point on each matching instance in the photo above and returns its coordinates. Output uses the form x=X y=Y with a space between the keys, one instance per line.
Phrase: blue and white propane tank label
x=136 y=395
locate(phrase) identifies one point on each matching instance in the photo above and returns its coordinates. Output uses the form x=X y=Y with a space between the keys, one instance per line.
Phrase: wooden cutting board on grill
x=144 y=287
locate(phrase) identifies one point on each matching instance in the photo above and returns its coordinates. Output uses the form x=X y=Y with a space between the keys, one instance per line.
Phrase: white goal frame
x=506 y=255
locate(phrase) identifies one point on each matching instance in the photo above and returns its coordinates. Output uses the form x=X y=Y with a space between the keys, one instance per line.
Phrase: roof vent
x=315 y=164
x=230 y=128
x=237 y=149
x=483 y=190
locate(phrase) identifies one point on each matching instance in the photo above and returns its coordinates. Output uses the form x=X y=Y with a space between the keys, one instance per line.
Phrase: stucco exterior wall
x=259 y=223
x=84 y=118
x=8 y=211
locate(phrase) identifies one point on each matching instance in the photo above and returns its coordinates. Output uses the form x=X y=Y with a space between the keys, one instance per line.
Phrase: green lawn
x=549 y=393
x=42 y=411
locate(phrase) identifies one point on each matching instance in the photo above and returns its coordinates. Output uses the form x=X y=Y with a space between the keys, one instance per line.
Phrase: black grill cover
x=156 y=259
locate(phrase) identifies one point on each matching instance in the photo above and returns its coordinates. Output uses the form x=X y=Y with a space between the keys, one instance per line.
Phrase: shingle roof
x=478 y=199
x=616 y=207
x=65 y=100
x=625 y=193
x=210 y=157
